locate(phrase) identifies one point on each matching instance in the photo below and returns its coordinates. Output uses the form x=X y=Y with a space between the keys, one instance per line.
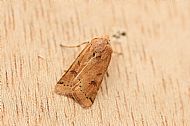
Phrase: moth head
x=99 y=45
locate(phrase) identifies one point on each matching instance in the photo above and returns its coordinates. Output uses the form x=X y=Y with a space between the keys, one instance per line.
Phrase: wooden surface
x=148 y=85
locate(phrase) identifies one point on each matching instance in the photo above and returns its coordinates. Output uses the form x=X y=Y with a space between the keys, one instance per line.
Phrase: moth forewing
x=65 y=84
x=84 y=77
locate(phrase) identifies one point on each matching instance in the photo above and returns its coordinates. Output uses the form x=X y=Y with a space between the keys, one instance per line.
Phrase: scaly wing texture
x=64 y=85
x=86 y=89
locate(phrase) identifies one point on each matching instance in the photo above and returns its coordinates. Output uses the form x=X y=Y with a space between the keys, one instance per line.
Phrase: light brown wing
x=64 y=85
x=91 y=77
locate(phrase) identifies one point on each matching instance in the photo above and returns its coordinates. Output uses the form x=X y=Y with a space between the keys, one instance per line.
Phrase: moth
x=83 y=79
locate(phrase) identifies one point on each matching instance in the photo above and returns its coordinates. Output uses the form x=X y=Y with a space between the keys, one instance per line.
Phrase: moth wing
x=85 y=92
x=65 y=84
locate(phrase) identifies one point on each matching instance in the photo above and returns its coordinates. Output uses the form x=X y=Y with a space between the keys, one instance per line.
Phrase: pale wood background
x=148 y=85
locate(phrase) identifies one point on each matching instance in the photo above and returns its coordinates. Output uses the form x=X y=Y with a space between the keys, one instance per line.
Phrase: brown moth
x=83 y=79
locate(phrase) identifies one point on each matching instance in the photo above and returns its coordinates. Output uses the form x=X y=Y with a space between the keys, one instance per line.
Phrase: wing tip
x=60 y=90
x=82 y=100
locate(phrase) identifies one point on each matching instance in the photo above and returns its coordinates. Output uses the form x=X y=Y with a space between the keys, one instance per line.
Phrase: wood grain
x=148 y=85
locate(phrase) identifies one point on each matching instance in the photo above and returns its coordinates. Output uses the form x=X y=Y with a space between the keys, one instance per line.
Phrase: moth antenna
x=118 y=53
x=74 y=46
x=40 y=57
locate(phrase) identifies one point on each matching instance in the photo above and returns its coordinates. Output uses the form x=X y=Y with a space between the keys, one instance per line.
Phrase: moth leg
x=107 y=74
x=70 y=46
